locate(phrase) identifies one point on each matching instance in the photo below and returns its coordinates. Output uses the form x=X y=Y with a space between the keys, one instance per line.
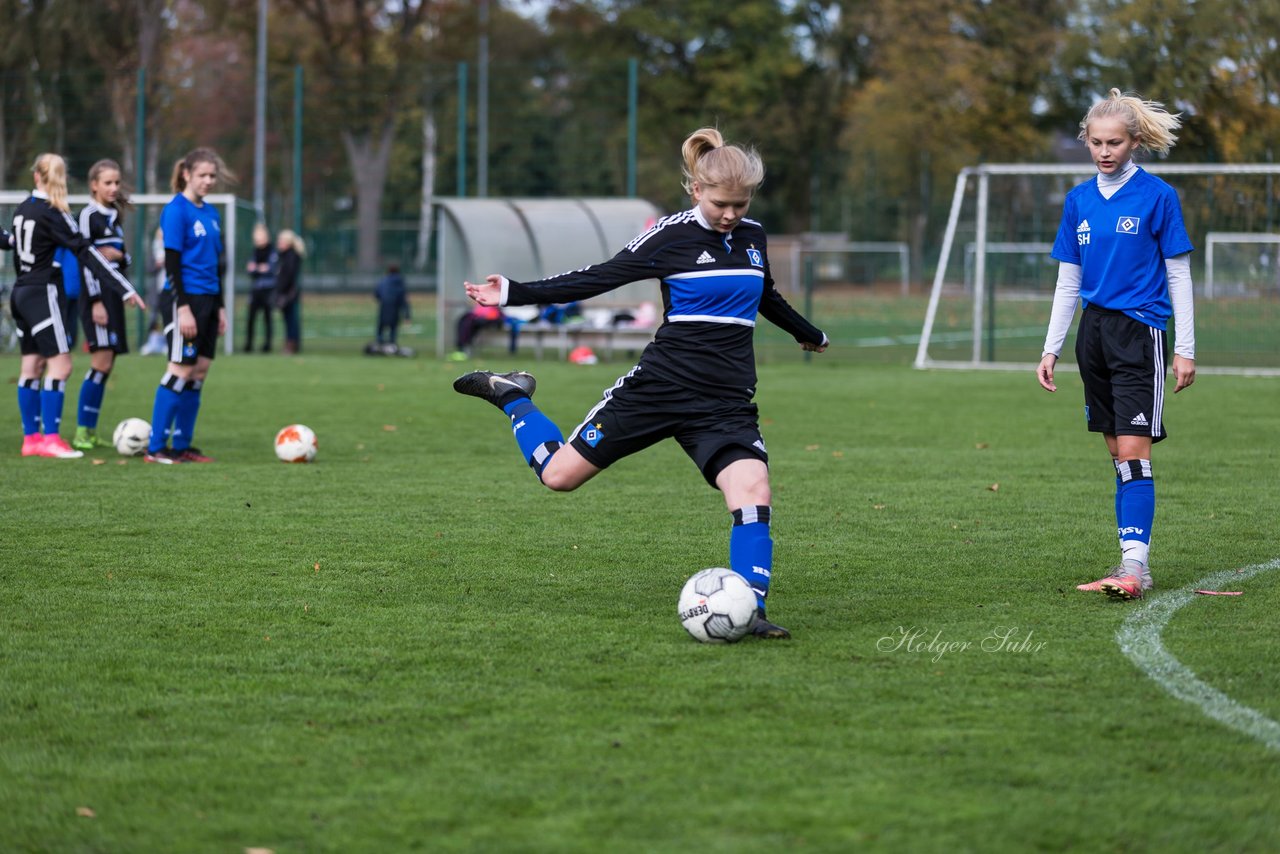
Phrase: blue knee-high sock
x=92 y=391
x=536 y=434
x=1137 y=501
x=751 y=549
x=184 y=424
x=29 y=405
x=51 y=400
x=165 y=410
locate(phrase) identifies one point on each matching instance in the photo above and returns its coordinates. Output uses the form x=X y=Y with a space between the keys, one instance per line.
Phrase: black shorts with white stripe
x=204 y=307
x=38 y=312
x=112 y=336
x=1122 y=363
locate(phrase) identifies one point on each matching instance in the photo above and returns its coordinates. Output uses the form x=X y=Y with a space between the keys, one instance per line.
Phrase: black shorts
x=639 y=411
x=112 y=336
x=185 y=351
x=39 y=312
x=1122 y=362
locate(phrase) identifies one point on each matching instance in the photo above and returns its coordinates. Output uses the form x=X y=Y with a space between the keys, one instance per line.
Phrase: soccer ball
x=717 y=606
x=131 y=436
x=296 y=444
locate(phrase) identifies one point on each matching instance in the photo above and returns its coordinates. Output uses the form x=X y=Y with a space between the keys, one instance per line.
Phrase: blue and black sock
x=1136 y=500
x=165 y=410
x=51 y=401
x=29 y=405
x=536 y=434
x=184 y=425
x=92 y=391
x=751 y=549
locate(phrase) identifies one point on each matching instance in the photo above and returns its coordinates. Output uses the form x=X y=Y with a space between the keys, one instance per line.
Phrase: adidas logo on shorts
x=1140 y=420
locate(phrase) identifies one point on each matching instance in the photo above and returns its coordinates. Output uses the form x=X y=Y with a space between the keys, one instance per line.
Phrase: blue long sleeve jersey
x=713 y=287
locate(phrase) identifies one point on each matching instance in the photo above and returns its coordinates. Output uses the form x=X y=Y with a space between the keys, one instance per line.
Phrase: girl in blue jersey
x=191 y=305
x=1124 y=253
x=696 y=380
x=41 y=225
x=102 y=311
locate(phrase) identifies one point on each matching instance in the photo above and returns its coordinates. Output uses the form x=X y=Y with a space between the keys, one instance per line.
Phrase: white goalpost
x=993 y=314
x=10 y=199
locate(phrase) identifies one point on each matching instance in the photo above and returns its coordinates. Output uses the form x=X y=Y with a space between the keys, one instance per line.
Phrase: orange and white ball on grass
x=296 y=444
x=717 y=606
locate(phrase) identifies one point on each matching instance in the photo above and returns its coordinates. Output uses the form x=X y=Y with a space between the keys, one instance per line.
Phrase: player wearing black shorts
x=191 y=305
x=102 y=311
x=41 y=224
x=696 y=381
x=1124 y=252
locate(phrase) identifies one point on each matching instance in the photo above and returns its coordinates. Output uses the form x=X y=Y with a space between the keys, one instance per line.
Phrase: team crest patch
x=756 y=257
x=592 y=434
x=188 y=350
x=1127 y=225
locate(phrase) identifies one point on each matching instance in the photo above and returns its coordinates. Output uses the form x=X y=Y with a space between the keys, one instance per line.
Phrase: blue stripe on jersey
x=718 y=296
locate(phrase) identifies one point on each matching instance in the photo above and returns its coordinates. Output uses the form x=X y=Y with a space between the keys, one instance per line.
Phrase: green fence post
x=141 y=253
x=462 y=130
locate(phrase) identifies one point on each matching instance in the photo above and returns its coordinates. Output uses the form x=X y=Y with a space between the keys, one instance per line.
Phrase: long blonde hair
x=1148 y=121
x=52 y=170
x=711 y=163
x=287 y=235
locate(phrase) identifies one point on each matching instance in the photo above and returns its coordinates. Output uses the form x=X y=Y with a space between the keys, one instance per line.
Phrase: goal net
x=993 y=286
x=139 y=225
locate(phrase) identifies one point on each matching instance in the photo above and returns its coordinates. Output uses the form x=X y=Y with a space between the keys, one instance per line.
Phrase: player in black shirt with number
x=696 y=380
x=41 y=224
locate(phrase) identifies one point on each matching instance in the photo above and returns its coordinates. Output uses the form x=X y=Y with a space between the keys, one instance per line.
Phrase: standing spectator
x=193 y=305
x=262 y=286
x=1123 y=251
x=291 y=251
x=102 y=310
x=41 y=224
x=155 y=345
x=393 y=305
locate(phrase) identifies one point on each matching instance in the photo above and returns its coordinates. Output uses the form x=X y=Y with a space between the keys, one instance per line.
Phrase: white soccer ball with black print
x=296 y=444
x=131 y=436
x=717 y=606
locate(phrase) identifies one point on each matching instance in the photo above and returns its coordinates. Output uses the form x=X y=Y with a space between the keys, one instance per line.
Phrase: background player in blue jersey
x=1123 y=252
x=696 y=380
x=42 y=224
x=102 y=310
x=192 y=306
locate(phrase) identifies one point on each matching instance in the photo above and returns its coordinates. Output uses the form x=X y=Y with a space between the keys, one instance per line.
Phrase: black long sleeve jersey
x=101 y=224
x=713 y=287
x=39 y=229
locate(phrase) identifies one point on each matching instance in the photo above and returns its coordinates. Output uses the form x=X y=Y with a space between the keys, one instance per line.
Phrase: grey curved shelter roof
x=527 y=239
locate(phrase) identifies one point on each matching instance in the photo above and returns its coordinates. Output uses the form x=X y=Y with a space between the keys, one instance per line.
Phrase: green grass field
x=411 y=645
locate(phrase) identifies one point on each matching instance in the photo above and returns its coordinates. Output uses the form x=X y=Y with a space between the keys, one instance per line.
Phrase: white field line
x=1139 y=639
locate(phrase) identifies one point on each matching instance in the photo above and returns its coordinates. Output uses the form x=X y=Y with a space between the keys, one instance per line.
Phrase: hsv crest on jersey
x=1127 y=225
x=757 y=259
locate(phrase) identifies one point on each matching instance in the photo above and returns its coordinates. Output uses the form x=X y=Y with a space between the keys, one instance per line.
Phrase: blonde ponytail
x=52 y=170
x=1148 y=121
x=709 y=162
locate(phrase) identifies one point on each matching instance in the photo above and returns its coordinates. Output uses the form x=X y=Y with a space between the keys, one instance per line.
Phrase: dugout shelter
x=528 y=239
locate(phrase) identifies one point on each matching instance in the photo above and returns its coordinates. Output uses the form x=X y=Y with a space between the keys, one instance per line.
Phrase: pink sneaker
x=1115 y=575
x=57 y=449
x=1125 y=586
x=32 y=445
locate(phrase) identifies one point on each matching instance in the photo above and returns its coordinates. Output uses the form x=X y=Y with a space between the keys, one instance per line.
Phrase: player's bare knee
x=559 y=481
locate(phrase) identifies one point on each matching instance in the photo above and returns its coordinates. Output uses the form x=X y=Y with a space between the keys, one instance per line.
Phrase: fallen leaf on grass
x=812 y=447
x=99 y=462
x=1220 y=592
x=995 y=487
x=390 y=428
x=85 y=812
x=259 y=851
